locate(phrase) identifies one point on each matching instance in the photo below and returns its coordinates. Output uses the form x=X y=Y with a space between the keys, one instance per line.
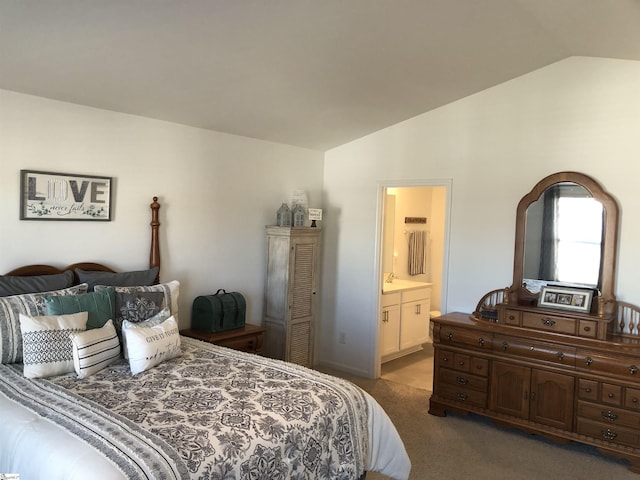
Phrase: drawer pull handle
x=608 y=434
x=634 y=400
x=633 y=369
x=610 y=395
x=462 y=380
x=505 y=346
x=588 y=361
x=462 y=396
x=481 y=341
x=587 y=329
x=449 y=335
x=445 y=359
x=560 y=356
x=547 y=322
x=588 y=389
x=461 y=363
x=609 y=415
x=512 y=317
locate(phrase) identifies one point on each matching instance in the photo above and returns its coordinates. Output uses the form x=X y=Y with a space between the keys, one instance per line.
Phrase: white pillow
x=46 y=343
x=95 y=349
x=159 y=317
x=150 y=346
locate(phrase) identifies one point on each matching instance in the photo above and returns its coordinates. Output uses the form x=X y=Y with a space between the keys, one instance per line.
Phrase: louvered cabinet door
x=290 y=293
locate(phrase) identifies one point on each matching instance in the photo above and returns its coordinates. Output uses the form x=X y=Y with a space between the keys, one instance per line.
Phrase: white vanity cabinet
x=404 y=319
x=390 y=323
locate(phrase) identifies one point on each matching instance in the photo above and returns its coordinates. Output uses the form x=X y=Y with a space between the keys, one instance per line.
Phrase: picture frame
x=566 y=298
x=65 y=196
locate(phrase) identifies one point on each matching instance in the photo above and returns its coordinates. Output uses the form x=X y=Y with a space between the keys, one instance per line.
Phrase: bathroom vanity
x=405 y=316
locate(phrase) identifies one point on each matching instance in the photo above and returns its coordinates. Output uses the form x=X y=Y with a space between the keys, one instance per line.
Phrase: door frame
x=378 y=266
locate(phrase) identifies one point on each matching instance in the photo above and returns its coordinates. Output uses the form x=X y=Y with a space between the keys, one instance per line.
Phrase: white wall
x=217 y=192
x=580 y=114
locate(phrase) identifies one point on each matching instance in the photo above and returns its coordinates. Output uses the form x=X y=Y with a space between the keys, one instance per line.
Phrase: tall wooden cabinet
x=290 y=292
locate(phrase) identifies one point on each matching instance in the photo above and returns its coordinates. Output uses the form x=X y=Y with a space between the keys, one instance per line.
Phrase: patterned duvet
x=212 y=413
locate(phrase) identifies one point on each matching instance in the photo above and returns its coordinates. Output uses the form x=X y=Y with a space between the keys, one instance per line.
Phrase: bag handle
x=221 y=290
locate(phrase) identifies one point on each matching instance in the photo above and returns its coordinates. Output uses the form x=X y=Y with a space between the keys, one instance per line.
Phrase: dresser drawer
x=463 y=362
x=624 y=367
x=588 y=389
x=461 y=379
x=608 y=433
x=548 y=322
x=467 y=338
x=251 y=343
x=547 y=352
x=609 y=415
x=632 y=398
x=463 y=394
x=512 y=317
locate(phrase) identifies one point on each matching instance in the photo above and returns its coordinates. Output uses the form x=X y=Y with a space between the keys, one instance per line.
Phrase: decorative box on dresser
x=290 y=292
x=565 y=373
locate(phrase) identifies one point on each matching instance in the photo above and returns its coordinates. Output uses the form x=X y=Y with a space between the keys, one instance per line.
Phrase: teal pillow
x=100 y=305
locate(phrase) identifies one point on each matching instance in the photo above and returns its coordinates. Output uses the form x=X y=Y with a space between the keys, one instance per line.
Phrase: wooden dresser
x=558 y=385
x=555 y=353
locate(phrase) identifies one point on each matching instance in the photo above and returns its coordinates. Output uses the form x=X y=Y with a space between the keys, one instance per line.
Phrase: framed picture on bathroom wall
x=64 y=196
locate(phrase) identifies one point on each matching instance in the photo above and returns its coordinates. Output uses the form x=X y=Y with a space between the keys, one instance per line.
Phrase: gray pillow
x=18 y=285
x=119 y=279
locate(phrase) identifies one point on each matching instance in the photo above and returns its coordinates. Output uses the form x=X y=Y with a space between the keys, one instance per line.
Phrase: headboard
x=154 y=255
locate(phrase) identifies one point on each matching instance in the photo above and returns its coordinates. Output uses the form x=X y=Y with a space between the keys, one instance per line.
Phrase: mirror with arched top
x=566 y=234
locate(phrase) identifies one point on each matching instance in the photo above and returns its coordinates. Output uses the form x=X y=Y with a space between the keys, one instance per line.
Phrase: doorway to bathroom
x=414 y=226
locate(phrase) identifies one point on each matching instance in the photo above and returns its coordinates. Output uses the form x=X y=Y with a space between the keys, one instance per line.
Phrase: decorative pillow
x=28 y=304
x=119 y=279
x=159 y=317
x=47 y=344
x=171 y=291
x=17 y=285
x=150 y=346
x=100 y=305
x=95 y=349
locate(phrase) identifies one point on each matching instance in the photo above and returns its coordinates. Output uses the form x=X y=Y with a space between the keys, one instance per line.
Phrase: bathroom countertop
x=398 y=285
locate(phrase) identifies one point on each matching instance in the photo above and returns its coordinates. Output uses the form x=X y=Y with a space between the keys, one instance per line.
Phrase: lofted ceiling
x=312 y=73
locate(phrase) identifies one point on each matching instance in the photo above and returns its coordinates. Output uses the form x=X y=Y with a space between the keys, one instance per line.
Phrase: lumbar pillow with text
x=95 y=349
x=150 y=346
x=46 y=341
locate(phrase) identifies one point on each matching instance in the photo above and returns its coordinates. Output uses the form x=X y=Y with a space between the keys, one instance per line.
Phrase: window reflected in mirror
x=563 y=238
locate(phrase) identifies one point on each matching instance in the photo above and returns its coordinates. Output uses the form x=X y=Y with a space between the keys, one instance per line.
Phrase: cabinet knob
x=633 y=369
x=449 y=335
x=610 y=395
x=560 y=356
x=462 y=380
x=588 y=361
x=634 y=400
x=588 y=389
x=609 y=415
x=481 y=341
x=548 y=322
x=462 y=396
x=608 y=434
x=505 y=346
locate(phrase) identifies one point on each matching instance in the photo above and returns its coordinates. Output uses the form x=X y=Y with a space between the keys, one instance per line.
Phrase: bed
x=175 y=407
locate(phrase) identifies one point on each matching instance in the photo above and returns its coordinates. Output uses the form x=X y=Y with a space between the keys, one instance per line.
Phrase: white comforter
x=37 y=447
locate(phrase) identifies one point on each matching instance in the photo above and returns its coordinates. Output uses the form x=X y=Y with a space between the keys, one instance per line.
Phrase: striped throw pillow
x=95 y=349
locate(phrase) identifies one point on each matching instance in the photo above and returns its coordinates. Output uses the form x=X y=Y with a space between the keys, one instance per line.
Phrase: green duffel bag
x=219 y=312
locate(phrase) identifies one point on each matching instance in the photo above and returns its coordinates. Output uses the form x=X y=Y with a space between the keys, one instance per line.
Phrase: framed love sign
x=64 y=196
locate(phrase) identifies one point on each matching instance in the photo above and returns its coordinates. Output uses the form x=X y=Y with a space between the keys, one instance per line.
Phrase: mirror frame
x=519 y=294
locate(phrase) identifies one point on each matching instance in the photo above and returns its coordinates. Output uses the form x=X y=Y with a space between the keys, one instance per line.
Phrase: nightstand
x=247 y=339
